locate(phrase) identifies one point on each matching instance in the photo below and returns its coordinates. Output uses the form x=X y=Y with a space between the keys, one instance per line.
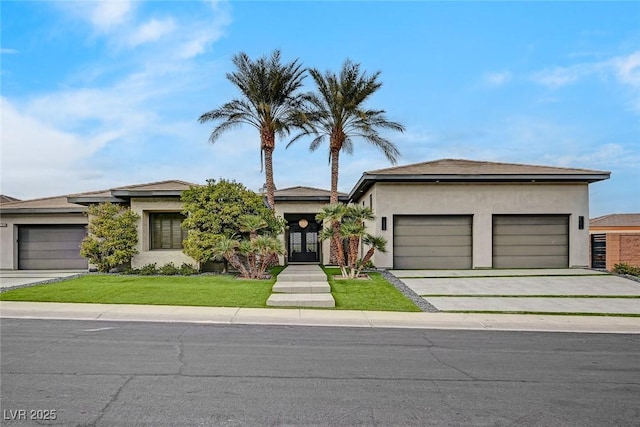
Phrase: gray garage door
x=432 y=242
x=530 y=241
x=50 y=247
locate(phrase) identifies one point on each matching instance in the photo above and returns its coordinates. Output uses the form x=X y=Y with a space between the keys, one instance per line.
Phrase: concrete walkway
x=301 y=286
x=19 y=278
x=310 y=317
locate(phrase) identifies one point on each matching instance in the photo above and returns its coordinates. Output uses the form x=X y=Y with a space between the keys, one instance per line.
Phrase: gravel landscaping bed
x=408 y=292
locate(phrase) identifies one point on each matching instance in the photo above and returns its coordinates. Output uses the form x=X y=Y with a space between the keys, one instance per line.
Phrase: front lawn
x=220 y=290
x=375 y=294
x=212 y=291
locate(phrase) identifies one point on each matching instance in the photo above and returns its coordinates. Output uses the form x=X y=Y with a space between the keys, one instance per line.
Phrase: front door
x=303 y=241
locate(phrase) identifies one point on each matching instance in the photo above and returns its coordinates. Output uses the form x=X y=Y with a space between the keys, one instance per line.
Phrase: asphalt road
x=117 y=373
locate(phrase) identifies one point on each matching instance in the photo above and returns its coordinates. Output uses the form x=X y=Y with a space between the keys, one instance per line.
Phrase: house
x=46 y=233
x=443 y=214
x=615 y=239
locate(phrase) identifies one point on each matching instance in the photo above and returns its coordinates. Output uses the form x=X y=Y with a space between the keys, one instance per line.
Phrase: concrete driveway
x=535 y=291
x=22 y=278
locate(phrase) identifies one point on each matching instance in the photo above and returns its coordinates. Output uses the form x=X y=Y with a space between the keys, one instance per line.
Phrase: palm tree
x=268 y=102
x=337 y=113
x=375 y=243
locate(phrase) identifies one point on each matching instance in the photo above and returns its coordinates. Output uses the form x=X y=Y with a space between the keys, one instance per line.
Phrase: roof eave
x=342 y=198
x=367 y=180
x=147 y=193
x=89 y=200
x=13 y=211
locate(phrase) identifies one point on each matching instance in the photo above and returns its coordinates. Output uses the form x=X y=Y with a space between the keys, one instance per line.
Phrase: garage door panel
x=418 y=263
x=439 y=251
x=432 y=242
x=534 y=262
x=533 y=240
x=517 y=230
x=418 y=220
x=50 y=247
x=530 y=241
x=531 y=219
x=431 y=230
x=530 y=251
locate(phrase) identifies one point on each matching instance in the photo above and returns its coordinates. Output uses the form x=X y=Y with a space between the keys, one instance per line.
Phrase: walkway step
x=302 y=277
x=301 y=300
x=302 y=287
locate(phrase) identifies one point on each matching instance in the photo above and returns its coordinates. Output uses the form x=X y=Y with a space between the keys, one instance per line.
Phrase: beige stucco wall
x=481 y=201
x=144 y=207
x=9 y=234
x=285 y=207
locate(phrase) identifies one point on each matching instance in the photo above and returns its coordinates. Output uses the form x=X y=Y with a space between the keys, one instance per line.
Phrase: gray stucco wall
x=482 y=201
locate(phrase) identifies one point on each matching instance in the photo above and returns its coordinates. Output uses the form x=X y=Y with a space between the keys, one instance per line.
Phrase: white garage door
x=432 y=242
x=530 y=241
x=51 y=247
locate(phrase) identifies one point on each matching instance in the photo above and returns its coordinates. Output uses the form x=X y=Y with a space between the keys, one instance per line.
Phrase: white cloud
x=37 y=155
x=498 y=78
x=5 y=51
x=151 y=31
x=558 y=76
x=627 y=68
x=105 y=15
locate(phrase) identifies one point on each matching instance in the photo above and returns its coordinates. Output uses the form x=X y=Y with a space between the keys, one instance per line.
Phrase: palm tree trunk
x=268 y=174
x=334 y=257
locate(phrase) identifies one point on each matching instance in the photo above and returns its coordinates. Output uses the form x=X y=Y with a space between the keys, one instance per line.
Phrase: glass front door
x=303 y=241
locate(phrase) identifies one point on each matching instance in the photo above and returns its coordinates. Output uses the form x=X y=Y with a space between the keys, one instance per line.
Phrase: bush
x=187 y=269
x=148 y=270
x=169 y=270
x=624 y=268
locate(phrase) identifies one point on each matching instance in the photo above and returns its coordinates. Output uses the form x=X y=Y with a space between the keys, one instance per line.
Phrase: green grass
x=372 y=295
x=211 y=291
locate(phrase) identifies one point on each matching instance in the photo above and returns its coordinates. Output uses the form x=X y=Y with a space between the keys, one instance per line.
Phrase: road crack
x=114 y=398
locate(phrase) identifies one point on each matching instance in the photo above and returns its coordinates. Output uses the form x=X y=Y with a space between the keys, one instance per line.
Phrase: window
x=166 y=232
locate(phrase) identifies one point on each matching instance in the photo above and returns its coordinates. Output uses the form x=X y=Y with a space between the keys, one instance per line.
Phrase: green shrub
x=187 y=269
x=148 y=270
x=131 y=270
x=624 y=268
x=169 y=270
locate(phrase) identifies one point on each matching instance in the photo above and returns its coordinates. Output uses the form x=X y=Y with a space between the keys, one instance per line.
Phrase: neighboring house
x=7 y=199
x=615 y=239
x=444 y=214
x=46 y=233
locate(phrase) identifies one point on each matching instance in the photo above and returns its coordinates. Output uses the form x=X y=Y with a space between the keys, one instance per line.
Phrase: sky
x=101 y=94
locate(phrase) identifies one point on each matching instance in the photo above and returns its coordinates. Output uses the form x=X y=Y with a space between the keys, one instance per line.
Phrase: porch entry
x=302 y=238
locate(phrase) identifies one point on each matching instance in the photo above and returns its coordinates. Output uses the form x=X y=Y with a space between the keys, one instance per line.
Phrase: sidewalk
x=311 y=317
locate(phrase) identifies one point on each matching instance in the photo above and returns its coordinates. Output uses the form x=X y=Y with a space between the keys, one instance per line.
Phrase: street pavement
x=161 y=374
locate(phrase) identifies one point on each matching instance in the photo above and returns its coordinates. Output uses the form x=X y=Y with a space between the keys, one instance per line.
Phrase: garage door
x=50 y=247
x=530 y=241
x=432 y=242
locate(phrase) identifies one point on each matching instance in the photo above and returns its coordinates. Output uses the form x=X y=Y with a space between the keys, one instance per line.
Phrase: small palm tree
x=337 y=113
x=268 y=103
x=331 y=216
x=375 y=243
x=228 y=249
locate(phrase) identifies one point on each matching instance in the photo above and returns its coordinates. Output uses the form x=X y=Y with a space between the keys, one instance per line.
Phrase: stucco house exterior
x=443 y=214
x=615 y=239
x=44 y=234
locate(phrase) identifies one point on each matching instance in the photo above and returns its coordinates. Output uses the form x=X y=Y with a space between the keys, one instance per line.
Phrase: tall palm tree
x=268 y=102
x=337 y=113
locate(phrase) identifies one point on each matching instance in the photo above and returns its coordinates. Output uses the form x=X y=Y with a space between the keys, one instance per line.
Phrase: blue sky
x=98 y=94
